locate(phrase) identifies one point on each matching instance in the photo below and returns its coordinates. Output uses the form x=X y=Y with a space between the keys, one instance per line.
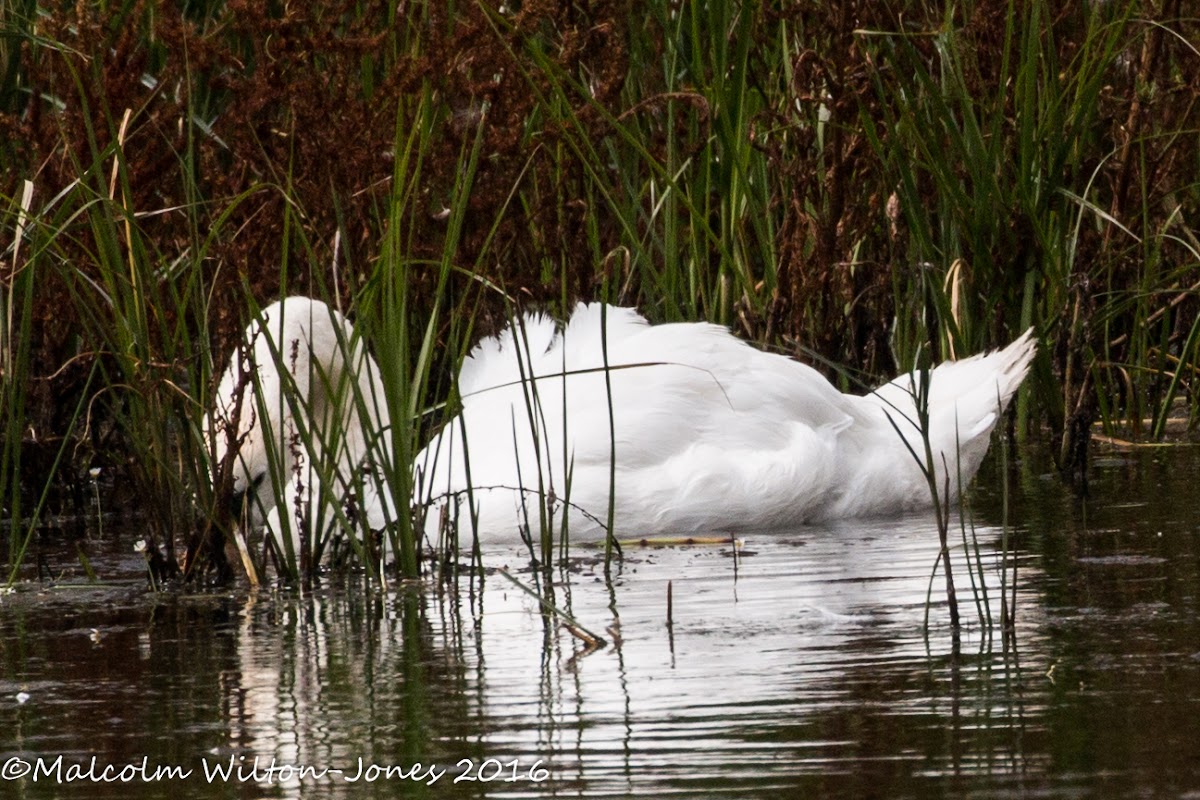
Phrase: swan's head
x=267 y=386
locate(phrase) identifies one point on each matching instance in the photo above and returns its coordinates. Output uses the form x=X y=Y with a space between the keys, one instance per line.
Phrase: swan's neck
x=346 y=404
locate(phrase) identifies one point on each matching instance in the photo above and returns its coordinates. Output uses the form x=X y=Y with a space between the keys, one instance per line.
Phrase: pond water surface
x=798 y=665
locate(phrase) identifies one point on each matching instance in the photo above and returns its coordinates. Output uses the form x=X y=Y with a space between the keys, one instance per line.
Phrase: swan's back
x=709 y=434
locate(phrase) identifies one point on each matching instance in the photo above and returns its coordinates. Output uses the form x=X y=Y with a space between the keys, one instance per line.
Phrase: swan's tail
x=964 y=399
x=976 y=391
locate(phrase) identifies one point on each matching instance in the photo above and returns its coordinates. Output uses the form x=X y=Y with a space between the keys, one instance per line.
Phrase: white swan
x=323 y=413
x=709 y=434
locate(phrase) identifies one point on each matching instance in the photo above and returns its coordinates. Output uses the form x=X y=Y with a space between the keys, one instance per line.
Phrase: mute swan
x=709 y=434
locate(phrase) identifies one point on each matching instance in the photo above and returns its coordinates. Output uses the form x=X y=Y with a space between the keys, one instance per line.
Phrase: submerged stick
x=570 y=623
x=670 y=606
x=239 y=539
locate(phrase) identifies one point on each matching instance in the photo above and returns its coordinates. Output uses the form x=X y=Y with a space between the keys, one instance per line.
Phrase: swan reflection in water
x=801 y=652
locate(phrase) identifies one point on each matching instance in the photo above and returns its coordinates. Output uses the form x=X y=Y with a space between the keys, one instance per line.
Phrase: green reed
x=409 y=348
x=144 y=312
x=16 y=308
x=998 y=186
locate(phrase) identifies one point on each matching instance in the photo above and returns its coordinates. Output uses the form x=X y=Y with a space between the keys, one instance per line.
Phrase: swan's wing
x=697 y=416
x=671 y=387
x=707 y=431
x=537 y=344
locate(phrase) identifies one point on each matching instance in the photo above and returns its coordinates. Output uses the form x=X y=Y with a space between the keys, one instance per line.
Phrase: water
x=797 y=666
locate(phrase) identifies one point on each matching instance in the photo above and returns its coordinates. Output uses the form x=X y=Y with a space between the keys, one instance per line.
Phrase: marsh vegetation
x=861 y=184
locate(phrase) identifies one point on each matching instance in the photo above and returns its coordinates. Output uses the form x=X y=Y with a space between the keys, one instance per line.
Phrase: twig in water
x=670 y=606
x=676 y=541
x=569 y=622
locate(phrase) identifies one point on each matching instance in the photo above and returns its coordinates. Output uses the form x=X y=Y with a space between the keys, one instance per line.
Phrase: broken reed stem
x=570 y=623
x=670 y=606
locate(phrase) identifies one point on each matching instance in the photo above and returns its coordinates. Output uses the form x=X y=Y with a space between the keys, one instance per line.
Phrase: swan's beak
x=237 y=503
x=240 y=498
